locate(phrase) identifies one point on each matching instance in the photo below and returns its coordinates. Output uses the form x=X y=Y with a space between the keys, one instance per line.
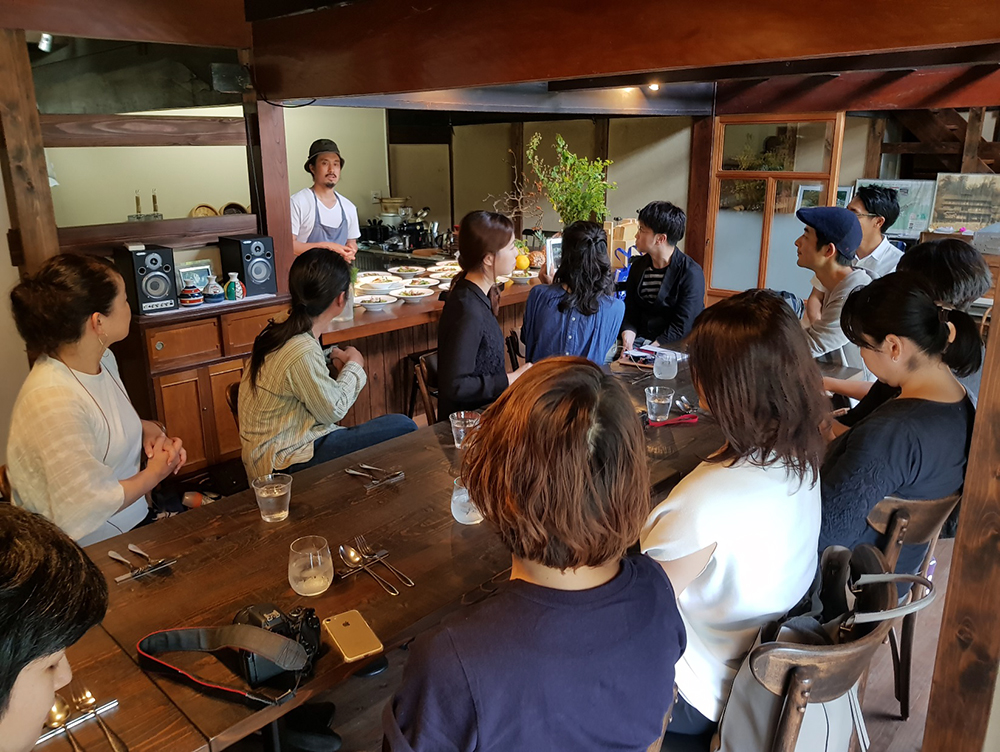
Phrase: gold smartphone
x=352 y=636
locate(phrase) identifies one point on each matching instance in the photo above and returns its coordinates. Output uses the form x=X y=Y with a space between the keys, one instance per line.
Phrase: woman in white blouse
x=738 y=535
x=75 y=440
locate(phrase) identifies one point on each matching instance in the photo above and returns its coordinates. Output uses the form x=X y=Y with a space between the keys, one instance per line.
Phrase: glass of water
x=461 y=423
x=310 y=565
x=658 y=401
x=665 y=366
x=274 y=492
x=462 y=508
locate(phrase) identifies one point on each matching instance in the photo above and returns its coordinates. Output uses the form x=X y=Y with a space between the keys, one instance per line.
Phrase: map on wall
x=966 y=202
x=916 y=202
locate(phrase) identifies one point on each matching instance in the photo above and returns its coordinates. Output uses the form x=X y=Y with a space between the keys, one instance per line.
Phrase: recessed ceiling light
x=654 y=87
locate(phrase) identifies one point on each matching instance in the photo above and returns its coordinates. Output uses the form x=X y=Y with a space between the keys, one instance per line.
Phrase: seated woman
x=289 y=403
x=471 y=371
x=915 y=445
x=577 y=314
x=577 y=650
x=75 y=440
x=737 y=536
x=51 y=593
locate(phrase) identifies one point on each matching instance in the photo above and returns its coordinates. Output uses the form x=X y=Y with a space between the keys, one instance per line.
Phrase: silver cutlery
x=55 y=730
x=136 y=550
x=136 y=572
x=353 y=560
x=373 y=480
x=86 y=703
x=369 y=555
x=378 y=557
x=58 y=720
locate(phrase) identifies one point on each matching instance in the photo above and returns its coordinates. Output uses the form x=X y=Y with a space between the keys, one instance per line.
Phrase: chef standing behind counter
x=321 y=217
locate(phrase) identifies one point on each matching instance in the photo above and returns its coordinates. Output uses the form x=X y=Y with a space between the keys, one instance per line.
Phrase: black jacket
x=680 y=300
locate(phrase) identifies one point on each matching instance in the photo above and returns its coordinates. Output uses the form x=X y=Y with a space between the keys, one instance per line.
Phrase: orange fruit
x=522 y=263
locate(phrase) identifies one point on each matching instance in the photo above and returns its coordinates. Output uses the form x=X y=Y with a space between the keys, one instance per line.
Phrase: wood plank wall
x=390 y=373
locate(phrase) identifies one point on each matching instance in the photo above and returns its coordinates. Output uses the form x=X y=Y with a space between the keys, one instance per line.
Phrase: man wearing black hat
x=828 y=246
x=321 y=217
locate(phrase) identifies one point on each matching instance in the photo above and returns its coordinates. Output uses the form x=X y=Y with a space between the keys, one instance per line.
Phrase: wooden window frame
x=829 y=178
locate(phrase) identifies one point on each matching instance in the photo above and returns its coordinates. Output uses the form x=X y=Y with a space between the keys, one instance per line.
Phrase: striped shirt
x=295 y=402
x=649 y=285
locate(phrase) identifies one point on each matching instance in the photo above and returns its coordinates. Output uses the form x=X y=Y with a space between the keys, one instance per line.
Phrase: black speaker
x=149 y=278
x=252 y=258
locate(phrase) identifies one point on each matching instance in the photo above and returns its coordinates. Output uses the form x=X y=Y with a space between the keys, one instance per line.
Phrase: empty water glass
x=461 y=423
x=274 y=492
x=462 y=508
x=665 y=365
x=658 y=401
x=310 y=565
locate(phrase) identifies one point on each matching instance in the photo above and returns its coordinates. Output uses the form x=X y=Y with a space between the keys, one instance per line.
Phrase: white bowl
x=445 y=276
x=414 y=295
x=523 y=277
x=407 y=272
x=421 y=283
x=374 y=302
x=503 y=279
x=362 y=275
x=382 y=283
x=446 y=263
x=445 y=286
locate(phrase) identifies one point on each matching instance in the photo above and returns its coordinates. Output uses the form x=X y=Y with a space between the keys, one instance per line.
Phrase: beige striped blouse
x=295 y=402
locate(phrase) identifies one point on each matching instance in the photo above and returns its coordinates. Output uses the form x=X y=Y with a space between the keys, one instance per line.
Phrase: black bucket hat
x=321 y=146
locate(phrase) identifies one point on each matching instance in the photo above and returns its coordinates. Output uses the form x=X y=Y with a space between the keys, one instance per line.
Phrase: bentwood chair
x=5 y=484
x=427 y=370
x=233 y=400
x=514 y=349
x=906 y=522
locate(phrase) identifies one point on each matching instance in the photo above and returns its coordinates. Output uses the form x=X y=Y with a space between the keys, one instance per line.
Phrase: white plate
x=525 y=279
x=503 y=279
x=445 y=286
x=362 y=275
x=445 y=276
x=381 y=286
x=446 y=263
x=407 y=272
x=415 y=296
x=374 y=302
x=421 y=283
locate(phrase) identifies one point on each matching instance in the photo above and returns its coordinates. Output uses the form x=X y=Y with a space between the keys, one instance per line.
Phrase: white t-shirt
x=304 y=215
x=765 y=525
x=73 y=436
x=879 y=262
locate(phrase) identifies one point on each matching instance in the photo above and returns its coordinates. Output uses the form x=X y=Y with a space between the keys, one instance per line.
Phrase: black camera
x=301 y=625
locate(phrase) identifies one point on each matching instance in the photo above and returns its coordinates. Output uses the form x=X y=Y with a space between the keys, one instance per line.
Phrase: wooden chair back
x=233 y=400
x=804 y=674
x=514 y=349
x=5 y=484
x=909 y=522
x=984 y=324
x=427 y=371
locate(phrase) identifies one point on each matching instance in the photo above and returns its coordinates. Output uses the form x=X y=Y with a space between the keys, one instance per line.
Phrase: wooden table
x=229 y=558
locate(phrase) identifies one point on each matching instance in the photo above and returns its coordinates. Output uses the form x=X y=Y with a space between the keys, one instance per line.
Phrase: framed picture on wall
x=844 y=195
x=916 y=201
x=966 y=202
x=194 y=272
x=809 y=196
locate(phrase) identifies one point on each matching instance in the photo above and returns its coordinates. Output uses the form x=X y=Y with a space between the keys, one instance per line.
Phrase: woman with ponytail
x=577 y=314
x=289 y=403
x=471 y=370
x=913 y=446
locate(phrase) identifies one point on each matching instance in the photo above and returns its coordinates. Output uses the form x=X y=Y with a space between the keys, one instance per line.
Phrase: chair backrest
x=513 y=349
x=233 y=400
x=804 y=674
x=909 y=522
x=984 y=324
x=426 y=370
x=5 y=484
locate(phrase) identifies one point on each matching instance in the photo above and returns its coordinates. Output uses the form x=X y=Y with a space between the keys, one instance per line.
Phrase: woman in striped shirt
x=289 y=401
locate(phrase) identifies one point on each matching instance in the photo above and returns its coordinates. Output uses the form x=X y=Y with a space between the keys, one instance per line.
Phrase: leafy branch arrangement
x=523 y=201
x=575 y=186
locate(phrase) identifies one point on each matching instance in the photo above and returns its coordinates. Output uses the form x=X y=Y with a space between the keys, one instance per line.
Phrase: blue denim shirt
x=548 y=331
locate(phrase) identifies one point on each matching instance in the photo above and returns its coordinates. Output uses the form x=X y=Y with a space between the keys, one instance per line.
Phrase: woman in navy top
x=471 y=371
x=915 y=445
x=577 y=650
x=577 y=314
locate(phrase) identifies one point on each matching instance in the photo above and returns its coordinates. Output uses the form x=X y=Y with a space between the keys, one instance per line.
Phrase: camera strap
x=283 y=652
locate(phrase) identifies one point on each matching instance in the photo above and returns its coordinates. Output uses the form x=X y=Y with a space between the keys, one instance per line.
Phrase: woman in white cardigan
x=75 y=440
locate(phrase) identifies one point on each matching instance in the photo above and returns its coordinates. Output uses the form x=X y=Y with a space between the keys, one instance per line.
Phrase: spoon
x=86 y=702
x=136 y=550
x=353 y=560
x=59 y=715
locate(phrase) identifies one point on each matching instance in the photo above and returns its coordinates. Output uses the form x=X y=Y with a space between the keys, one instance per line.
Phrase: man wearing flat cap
x=321 y=217
x=828 y=246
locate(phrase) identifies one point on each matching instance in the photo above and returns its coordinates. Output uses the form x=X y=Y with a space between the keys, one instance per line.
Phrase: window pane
x=799 y=147
x=782 y=271
x=738 y=225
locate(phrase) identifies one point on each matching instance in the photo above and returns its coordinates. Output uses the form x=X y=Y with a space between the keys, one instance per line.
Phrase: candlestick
x=155 y=207
x=138 y=205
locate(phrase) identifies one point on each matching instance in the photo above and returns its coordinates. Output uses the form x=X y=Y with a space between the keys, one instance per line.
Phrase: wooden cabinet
x=227 y=434
x=240 y=329
x=181 y=403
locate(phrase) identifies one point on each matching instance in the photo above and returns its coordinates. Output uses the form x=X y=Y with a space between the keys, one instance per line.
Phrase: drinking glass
x=310 y=565
x=274 y=492
x=461 y=423
x=665 y=366
x=658 y=401
x=462 y=508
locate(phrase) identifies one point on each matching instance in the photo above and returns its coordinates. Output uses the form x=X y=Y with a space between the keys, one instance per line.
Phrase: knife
x=143 y=571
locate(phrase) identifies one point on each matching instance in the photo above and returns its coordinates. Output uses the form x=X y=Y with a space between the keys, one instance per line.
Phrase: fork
x=369 y=553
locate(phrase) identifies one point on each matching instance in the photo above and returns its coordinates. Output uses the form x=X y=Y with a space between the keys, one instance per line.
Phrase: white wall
x=482 y=166
x=651 y=161
x=420 y=172
x=852 y=158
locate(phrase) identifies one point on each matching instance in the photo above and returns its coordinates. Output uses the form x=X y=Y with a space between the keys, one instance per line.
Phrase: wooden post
x=517 y=149
x=268 y=167
x=973 y=135
x=699 y=188
x=873 y=151
x=32 y=237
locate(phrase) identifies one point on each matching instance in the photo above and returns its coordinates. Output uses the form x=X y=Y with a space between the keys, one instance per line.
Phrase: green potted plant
x=575 y=186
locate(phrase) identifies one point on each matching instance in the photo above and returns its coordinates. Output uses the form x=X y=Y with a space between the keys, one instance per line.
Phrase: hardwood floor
x=360 y=701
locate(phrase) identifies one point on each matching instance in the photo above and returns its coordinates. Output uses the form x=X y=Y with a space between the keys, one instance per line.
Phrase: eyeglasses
x=859 y=214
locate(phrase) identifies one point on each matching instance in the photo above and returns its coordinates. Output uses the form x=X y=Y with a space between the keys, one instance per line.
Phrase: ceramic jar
x=234 y=289
x=190 y=296
x=213 y=291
